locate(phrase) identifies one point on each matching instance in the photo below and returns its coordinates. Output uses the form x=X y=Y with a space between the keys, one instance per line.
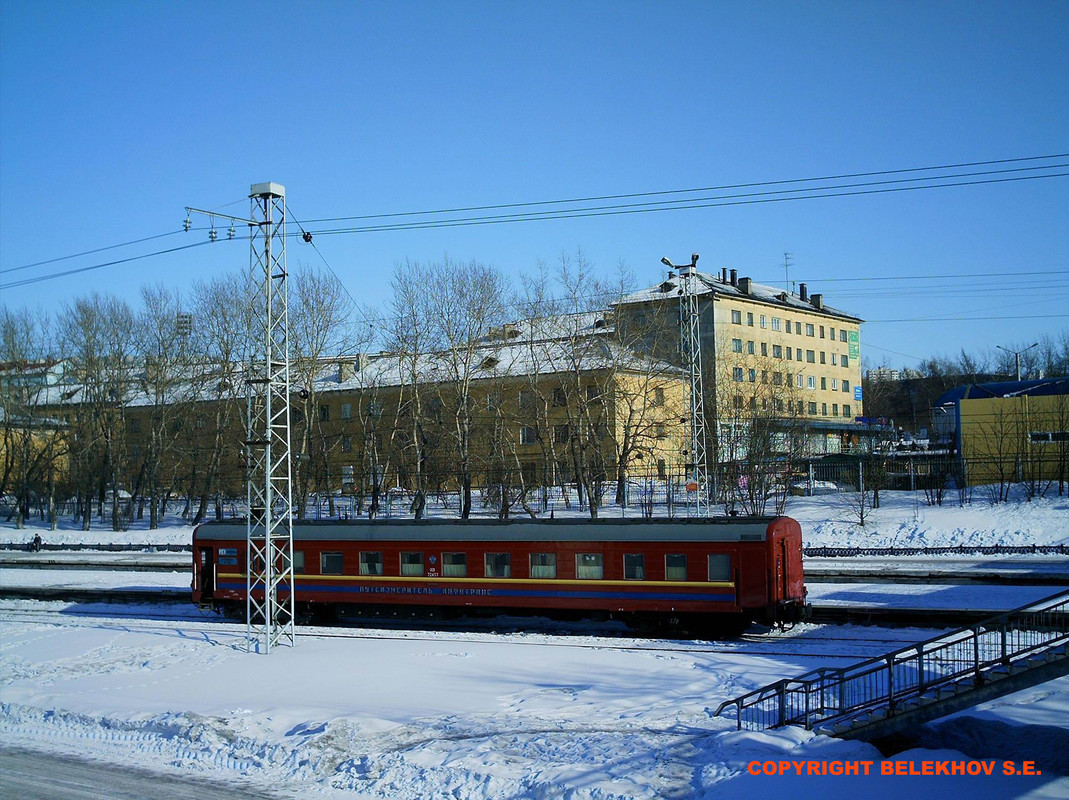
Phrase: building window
x=835 y=409
x=560 y=434
x=844 y=361
x=834 y=359
x=736 y=317
x=330 y=564
x=347 y=444
x=658 y=397
x=763 y=322
x=750 y=348
x=412 y=565
x=528 y=434
x=347 y=475
x=790 y=354
x=798 y=354
x=779 y=404
x=842 y=336
x=324 y=413
x=454 y=565
x=737 y=374
x=634 y=567
x=846 y=386
x=824 y=409
x=543 y=565
x=823 y=383
x=810 y=356
x=498 y=565
x=660 y=430
x=821 y=331
x=371 y=563
x=801 y=406
x=798 y=328
x=719 y=567
x=835 y=384
x=593 y=393
x=775 y=323
x=135 y=425
x=749 y=318
x=813 y=408
x=822 y=357
x=801 y=380
x=831 y=334
x=675 y=568
x=764 y=348
x=777 y=351
x=777 y=378
x=753 y=376
x=346 y=410
x=846 y=410
x=764 y=376
x=589 y=566
x=736 y=345
x=809 y=329
x=560 y=399
x=738 y=402
x=811 y=382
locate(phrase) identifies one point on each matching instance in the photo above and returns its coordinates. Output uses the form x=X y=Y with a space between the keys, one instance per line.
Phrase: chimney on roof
x=818 y=301
x=803 y=293
x=345 y=371
x=361 y=361
x=734 y=277
x=723 y=274
x=744 y=285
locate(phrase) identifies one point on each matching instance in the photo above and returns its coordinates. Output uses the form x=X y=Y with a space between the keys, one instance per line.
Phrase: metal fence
x=827 y=695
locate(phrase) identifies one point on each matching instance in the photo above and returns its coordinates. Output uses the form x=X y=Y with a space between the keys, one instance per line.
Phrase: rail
x=887 y=682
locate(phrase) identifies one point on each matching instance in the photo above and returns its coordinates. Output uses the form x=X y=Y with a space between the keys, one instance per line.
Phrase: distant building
x=1008 y=431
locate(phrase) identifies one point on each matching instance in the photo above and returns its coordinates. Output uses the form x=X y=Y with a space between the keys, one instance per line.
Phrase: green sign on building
x=855 y=344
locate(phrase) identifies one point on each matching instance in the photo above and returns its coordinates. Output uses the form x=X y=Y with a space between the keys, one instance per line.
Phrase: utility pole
x=269 y=605
x=1017 y=355
x=691 y=353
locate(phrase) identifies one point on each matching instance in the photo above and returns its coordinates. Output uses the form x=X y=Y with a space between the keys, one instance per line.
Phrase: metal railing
x=965 y=656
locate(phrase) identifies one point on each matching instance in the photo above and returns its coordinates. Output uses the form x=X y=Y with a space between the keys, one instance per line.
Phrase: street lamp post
x=1017 y=355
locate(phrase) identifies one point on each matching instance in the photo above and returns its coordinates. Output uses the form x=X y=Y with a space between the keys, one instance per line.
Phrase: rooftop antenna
x=786 y=266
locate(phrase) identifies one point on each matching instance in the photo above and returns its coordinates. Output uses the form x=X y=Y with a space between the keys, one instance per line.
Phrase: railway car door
x=782 y=576
x=207 y=572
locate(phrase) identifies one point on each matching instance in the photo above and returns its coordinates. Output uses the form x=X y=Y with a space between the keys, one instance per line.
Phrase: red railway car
x=697 y=574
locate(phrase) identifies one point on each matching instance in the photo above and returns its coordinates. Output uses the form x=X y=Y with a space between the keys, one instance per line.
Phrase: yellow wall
x=1014 y=438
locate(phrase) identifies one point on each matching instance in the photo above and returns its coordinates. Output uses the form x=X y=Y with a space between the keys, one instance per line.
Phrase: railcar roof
x=735 y=529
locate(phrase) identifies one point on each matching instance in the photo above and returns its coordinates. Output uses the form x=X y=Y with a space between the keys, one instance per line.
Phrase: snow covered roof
x=974 y=391
x=759 y=292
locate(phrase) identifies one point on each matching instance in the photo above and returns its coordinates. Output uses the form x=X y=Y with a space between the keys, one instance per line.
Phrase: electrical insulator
x=212 y=235
x=187 y=224
x=307 y=237
x=230 y=233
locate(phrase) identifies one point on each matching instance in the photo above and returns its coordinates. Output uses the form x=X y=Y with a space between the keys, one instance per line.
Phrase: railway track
x=812 y=644
x=822 y=614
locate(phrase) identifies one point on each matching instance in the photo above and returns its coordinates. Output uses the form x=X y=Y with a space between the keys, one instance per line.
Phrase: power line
x=965 y=319
x=697 y=189
x=90 y=252
x=50 y=276
x=307 y=237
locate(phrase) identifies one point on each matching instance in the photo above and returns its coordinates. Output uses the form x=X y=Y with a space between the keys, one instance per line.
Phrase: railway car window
x=543 y=565
x=720 y=567
x=498 y=565
x=412 y=564
x=589 y=566
x=454 y=565
x=330 y=563
x=370 y=563
x=675 y=568
x=298 y=562
x=634 y=567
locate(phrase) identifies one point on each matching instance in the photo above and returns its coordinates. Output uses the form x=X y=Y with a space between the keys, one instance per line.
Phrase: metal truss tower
x=269 y=604
x=269 y=607
x=691 y=354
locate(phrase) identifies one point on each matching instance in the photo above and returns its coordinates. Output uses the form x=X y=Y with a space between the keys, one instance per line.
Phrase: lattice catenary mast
x=269 y=611
x=691 y=354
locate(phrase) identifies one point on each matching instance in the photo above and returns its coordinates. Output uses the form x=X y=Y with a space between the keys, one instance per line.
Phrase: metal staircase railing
x=895 y=682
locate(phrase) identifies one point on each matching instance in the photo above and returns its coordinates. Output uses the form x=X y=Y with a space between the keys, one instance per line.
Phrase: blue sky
x=114 y=116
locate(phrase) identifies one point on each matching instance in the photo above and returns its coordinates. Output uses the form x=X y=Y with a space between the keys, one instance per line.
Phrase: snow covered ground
x=438 y=715
x=392 y=714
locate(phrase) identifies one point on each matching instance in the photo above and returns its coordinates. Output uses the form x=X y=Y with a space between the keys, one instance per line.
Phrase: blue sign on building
x=857 y=392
